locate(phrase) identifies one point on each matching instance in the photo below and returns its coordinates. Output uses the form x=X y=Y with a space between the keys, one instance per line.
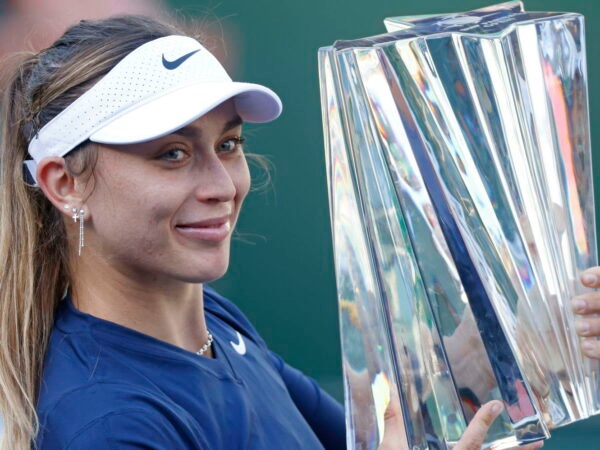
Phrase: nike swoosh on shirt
x=240 y=345
x=171 y=65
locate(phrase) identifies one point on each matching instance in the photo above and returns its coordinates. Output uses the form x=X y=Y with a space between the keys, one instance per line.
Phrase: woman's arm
x=324 y=414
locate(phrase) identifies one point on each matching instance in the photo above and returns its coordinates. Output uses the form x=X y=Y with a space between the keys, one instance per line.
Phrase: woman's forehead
x=210 y=124
x=206 y=127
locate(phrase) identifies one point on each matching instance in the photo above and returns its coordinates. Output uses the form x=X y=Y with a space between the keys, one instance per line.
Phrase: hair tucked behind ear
x=33 y=243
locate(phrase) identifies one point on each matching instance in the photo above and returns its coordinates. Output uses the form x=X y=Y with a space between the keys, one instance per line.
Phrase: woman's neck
x=169 y=310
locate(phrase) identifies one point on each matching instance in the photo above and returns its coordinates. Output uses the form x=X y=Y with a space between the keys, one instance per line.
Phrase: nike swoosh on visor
x=170 y=65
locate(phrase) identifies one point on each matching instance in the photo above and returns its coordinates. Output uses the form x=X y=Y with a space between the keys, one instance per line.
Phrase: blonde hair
x=33 y=241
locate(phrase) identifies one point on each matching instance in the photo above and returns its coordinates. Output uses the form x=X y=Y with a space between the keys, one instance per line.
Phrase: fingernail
x=496 y=408
x=588 y=279
x=578 y=305
x=582 y=327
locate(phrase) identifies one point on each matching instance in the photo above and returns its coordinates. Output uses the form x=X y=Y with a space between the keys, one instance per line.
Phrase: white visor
x=157 y=89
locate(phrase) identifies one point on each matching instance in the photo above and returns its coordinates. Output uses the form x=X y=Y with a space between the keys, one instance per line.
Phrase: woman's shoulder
x=113 y=415
x=90 y=386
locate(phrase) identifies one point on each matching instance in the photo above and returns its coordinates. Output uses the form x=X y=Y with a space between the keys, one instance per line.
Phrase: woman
x=131 y=135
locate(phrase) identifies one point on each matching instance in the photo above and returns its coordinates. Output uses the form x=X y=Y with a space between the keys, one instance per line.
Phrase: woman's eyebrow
x=196 y=132
x=235 y=122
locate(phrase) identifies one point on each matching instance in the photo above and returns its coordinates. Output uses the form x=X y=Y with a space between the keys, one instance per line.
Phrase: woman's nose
x=215 y=182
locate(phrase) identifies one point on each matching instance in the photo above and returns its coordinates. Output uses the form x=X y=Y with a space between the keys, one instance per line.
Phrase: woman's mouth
x=216 y=229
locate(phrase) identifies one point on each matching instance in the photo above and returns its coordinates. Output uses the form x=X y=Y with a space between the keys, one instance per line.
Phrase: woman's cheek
x=243 y=185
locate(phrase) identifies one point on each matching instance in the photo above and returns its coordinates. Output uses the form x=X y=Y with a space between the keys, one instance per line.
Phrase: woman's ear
x=58 y=185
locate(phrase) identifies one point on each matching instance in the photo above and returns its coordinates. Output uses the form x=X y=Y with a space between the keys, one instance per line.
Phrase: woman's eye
x=231 y=144
x=174 y=154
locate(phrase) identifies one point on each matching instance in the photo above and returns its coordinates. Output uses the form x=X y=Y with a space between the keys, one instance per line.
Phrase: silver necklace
x=206 y=346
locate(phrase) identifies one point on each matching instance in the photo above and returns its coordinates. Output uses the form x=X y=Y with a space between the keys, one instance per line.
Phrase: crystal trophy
x=460 y=189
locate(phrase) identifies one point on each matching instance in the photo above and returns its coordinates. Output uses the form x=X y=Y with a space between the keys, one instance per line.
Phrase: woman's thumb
x=477 y=430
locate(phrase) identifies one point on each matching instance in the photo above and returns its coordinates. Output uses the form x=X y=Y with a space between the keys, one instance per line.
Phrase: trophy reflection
x=460 y=187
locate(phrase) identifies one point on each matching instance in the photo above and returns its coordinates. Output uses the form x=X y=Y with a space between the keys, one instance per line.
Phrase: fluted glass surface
x=462 y=213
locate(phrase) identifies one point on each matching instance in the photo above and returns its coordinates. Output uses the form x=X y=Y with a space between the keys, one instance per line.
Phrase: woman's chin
x=207 y=274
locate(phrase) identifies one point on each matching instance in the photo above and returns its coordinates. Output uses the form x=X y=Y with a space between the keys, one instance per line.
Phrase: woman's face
x=166 y=209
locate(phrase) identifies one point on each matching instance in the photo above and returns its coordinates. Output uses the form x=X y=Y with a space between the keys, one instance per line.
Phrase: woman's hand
x=473 y=438
x=587 y=305
x=477 y=430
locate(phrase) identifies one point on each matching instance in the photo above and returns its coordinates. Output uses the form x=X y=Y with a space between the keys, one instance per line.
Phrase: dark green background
x=281 y=273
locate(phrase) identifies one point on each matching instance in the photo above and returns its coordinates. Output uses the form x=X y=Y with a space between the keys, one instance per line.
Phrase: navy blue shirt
x=105 y=386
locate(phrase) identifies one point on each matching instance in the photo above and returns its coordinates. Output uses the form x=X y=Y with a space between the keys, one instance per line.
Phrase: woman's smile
x=214 y=229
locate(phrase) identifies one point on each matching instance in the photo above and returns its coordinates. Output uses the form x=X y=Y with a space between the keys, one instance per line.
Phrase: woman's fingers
x=588 y=303
x=591 y=348
x=591 y=277
x=473 y=438
x=479 y=426
x=477 y=430
x=588 y=326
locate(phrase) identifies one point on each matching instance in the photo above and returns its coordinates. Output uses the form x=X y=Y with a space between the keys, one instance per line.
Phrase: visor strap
x=29 y=172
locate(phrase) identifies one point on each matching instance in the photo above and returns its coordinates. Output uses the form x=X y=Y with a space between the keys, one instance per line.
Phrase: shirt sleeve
x=322 y=412
x=133 y=429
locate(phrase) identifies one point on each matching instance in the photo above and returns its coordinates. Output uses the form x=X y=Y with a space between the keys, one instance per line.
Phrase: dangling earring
x=78 y=215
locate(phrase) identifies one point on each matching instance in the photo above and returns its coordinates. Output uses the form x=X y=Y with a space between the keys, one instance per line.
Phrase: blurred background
x=281 y=273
